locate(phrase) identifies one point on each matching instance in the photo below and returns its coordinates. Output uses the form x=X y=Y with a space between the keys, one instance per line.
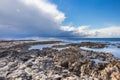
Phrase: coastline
x=18 y=62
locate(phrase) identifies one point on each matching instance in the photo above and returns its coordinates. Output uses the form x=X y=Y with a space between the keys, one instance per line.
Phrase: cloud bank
x=85 y=31
x=40 y=18
x=29 y=18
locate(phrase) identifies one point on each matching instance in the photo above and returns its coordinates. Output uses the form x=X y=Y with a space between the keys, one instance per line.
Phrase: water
x=112 y=42
x=98 y=61
x=41 y=46
x=59 y=49
x=92 y=39
x=110 y=49
x=48 y=46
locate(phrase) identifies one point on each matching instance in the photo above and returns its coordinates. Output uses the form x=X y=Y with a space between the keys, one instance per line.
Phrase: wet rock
x=25 y=77
x=3 y=54
x=101 y=66
x=93 y=45
x=88 y=44
x=118 y=46
x=25 y=58
x=28 y=70
x=20 y=63
x=58 y=78
x=29 y=64
x=3 y=63
x=65 y=64
x=2 y=78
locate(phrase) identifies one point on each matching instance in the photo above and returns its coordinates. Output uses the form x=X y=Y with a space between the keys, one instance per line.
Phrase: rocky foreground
x=17 y=62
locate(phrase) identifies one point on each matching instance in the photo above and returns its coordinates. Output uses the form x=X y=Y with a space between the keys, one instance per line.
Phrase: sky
x=97 y=13
x=60 y=18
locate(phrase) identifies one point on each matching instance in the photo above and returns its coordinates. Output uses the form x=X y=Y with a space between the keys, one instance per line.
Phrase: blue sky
x=59 y=18
x=97 y=13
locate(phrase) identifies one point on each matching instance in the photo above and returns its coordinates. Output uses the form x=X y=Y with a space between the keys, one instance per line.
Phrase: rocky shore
x=17 y=62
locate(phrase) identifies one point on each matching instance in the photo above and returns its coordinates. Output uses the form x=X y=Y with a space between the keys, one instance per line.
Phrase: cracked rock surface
x=17 y=62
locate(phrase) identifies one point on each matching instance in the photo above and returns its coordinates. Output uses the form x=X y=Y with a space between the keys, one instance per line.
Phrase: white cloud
x=29 y=17
x=67 y=28
x=112 y=31
x=85 y=31
x=46 y=7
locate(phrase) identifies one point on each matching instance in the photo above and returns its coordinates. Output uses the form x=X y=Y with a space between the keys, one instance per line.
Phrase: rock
x=93 y=44
x=2 y=78
x=3 y=63
x=3 y=54
x=115 y=76
x=65 y=64
x=25 y=58
x=58 y=78
x=101 y=66
x=118 y=46
x=29 y=64
x=12 y=64
x=28 y=70
x=25 y=76
x=19 y=63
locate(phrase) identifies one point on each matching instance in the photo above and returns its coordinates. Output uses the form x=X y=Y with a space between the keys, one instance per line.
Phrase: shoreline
x=71 y=63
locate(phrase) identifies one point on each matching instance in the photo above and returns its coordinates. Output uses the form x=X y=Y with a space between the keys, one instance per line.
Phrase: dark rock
x=58 y=78
x=29 y=64
x=101 y=66
x=3 y=54
x=71 y=63
x=3 y=78
x=25 y=58
x=65 y=64
x=93 y=44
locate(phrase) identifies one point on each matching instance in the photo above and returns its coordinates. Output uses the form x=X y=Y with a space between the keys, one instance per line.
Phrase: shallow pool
x=110 y=49
x=98 y=61
x=41 y=46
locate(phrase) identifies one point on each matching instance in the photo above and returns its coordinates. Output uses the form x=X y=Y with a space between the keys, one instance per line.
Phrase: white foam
x=111 y=49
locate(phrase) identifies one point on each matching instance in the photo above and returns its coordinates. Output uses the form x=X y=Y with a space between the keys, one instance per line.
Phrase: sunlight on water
x=98 y=61
x=48 y=46
x=111 y=49
x=41 y=46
